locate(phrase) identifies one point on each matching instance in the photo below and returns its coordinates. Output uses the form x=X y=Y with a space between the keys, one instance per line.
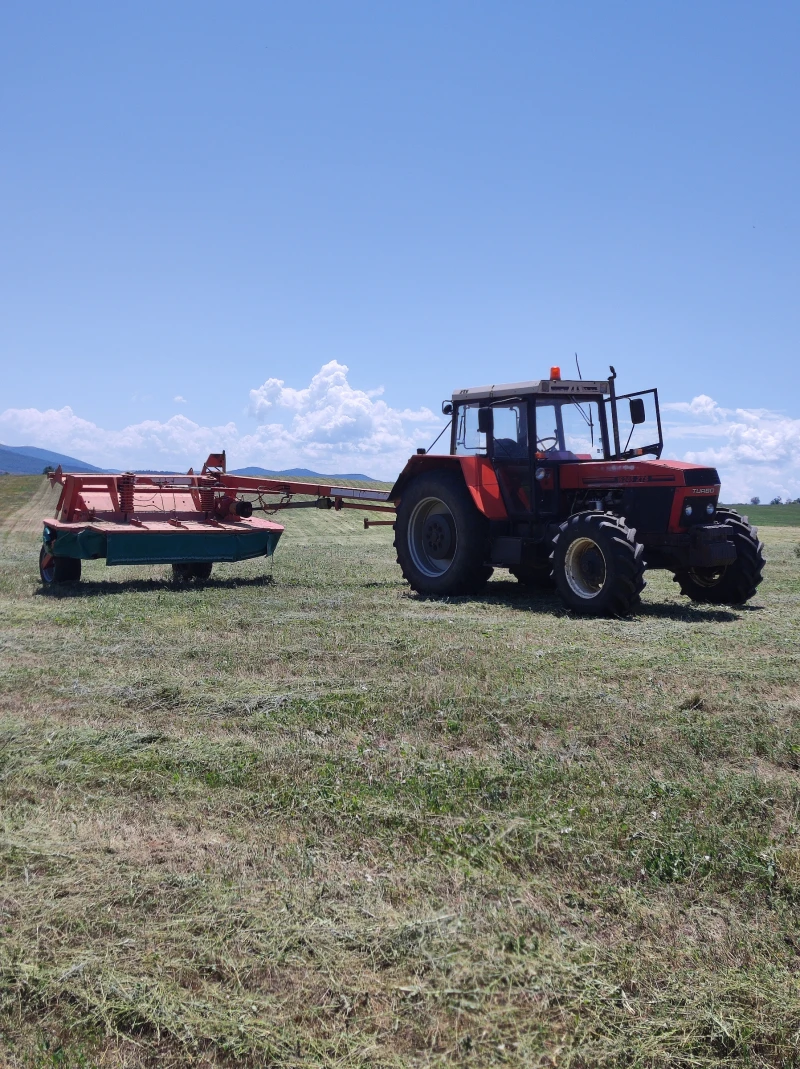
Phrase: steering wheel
x=546 y=448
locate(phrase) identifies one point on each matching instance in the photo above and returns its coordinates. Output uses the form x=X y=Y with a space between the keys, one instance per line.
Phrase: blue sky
x=200 y=198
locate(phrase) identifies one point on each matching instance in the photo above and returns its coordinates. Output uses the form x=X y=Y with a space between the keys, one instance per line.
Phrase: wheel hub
x=585 y=567
x=438 y=535
x=432 y=536
x=707 y=577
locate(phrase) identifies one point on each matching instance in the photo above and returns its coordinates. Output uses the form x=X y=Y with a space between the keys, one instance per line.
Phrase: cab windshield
x=568 y=429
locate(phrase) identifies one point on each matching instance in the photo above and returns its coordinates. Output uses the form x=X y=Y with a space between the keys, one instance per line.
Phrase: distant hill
x=30 y=460
x=302 y=473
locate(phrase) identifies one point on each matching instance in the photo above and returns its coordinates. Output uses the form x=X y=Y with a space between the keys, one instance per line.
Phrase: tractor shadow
x=691 y=613
x=513 y=595
x=87 y=588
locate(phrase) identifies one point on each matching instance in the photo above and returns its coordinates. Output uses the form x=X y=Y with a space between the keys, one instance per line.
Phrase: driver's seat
x=509 y=449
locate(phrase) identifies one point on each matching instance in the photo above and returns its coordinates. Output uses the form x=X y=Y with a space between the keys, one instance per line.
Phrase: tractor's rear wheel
x=731 y=584
x=440 y=536
x=598 y=565
x=56 y=570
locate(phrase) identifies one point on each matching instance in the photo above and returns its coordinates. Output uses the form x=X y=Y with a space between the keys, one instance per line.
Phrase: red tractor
x=538 y=481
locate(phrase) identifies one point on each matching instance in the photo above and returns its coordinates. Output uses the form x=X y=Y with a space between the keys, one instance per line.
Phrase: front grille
x=701 y=477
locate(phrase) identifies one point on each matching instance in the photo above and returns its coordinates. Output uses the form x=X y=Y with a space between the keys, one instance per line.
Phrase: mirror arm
x=613 y=401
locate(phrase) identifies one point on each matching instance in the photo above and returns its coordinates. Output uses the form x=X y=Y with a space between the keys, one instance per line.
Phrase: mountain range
x=30 y=460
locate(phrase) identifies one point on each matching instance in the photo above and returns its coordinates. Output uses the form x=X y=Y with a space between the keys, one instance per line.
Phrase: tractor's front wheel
x=440 y=536
x=731 y=584
x=598 y=565
x=56 y=570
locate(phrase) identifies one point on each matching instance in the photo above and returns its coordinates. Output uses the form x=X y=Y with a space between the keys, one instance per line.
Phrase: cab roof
x=545 y=387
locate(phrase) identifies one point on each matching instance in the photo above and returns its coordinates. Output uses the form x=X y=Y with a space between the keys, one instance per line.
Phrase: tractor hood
x=612 y=473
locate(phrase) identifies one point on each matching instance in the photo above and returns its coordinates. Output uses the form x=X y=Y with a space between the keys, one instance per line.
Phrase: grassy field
x=771 y=515
x=17 y=492
x=300 y=817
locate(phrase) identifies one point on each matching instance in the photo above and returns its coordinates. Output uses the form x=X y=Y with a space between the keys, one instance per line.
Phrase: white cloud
x=329 y=411
x=331 y=419
x=756 y=451
x=331 y=427
x=702 y=406
x=180 y=400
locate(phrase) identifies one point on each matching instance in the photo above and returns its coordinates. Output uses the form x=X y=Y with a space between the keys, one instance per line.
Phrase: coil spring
x=207 y=500
x=125 y=487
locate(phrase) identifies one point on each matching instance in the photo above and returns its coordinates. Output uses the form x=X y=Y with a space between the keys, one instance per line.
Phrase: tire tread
x=742 y=581
x=627 y=577
x=470 y=574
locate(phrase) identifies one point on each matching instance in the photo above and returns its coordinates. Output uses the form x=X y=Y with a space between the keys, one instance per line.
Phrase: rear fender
x=478 y=475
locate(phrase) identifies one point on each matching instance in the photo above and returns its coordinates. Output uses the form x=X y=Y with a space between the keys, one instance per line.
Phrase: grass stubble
x=310 y=819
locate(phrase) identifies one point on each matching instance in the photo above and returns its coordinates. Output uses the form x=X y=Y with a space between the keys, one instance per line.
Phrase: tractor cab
x=564 y=419
x=528 y=430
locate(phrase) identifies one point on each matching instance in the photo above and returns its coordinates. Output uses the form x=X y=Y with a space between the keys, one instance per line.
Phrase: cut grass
x=320 y=821
x=16 y=491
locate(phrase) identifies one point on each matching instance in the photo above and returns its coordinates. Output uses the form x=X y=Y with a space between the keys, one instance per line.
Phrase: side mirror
x=447 y=408
x=637 y=411
x=485 y=421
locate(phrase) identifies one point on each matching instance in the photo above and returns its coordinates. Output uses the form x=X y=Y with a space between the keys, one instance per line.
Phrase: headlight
x=688 y=510
x=710 y=510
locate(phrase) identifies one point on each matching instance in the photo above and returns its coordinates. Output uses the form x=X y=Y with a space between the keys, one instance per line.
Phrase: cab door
x=547 y=437
x=511 y=457
x=565 y=430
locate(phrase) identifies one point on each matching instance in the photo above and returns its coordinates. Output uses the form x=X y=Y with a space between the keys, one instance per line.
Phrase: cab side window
x=510 y=438
x=469 y=440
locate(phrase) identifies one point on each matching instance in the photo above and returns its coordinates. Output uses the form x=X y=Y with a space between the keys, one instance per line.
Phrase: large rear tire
x=56 y=570
x=732 y=584
x=598 y=565
x=441 y=538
